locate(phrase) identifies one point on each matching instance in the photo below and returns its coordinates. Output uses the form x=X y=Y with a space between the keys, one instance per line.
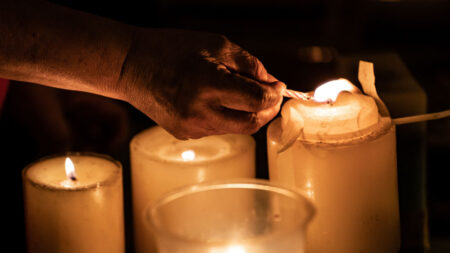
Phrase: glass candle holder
x=233 y=216
x=161 y=163
x=79 y=211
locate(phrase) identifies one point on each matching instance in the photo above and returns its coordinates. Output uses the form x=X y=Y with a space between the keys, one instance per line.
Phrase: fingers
x=237 y=104
x=228 y=121
x=244 y=122
x=242 y=62
x=248 y=65
x=227 y=91
x=221 y=120
x=234 y=121
x=244 y=94
x=247 y=84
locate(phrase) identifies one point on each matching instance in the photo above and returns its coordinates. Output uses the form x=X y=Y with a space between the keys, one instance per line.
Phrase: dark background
x=281 y=34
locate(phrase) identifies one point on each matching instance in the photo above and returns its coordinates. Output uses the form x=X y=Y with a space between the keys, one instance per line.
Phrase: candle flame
x=188 y=155
x=309 y=190
x=235 y=249
x=70 y=169
x=329 y=91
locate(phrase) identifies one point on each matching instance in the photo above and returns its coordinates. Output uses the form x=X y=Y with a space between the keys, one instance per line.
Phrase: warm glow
x=235 y=249
x=188 y=155
x=330 y=90
x=309 y=190
x=70 y=169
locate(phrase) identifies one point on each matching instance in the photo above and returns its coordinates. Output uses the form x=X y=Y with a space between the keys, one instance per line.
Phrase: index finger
x=242 y=93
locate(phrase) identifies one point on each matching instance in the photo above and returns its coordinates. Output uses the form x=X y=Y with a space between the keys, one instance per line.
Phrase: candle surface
x=344 y=116
x=74 y=215
x=91 y=172
x=342 y=156
x=165 y=148
x=160 y=163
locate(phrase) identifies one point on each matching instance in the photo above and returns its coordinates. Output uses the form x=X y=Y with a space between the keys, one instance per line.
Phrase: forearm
x=191 y=83
x=59 y=47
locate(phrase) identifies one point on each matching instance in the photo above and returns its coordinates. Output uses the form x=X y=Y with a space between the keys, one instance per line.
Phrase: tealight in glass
x=237 y=216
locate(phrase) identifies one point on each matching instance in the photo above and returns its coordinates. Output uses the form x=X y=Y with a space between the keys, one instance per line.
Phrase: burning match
x=296 y=94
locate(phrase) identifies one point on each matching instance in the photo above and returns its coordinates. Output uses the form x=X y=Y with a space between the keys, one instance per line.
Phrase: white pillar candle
x=342 y=155
x=81 y=211
x=160 y=163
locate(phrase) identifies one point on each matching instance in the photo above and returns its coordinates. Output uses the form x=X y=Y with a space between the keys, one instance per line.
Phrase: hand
x=196 y=84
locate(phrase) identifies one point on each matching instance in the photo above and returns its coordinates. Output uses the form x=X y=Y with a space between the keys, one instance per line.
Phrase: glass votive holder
x=231 y=216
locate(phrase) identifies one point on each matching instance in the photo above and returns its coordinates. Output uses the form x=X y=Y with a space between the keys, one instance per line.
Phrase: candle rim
x=108 y=180
x=372 y=133
x=244 y=183
x=152 y=155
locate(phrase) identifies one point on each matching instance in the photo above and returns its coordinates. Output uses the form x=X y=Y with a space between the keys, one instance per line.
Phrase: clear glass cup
x=232 y=216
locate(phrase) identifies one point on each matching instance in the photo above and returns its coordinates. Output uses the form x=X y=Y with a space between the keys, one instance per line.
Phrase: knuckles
x=250 y=126
x=254 y=123
x=216 y=45
x=264 y=98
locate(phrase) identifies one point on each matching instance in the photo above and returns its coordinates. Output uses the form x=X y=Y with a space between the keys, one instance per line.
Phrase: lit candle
x=74 y=204
x=338 y=151
x=160 y=163
x=235 y=249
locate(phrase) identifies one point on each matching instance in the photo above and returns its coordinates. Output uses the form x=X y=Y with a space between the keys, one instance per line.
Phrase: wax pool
x=73 y=216
x=343 y=158
x=160 y=163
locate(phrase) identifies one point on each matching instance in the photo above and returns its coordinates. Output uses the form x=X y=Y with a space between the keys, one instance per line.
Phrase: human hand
x=196 y=84
x=191 y=83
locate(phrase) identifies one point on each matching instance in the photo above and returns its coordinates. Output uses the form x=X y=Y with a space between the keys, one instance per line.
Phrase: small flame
x=70 y=169
x=309 y=190
x=235 y=249
x=329 y=91
x=188 y=155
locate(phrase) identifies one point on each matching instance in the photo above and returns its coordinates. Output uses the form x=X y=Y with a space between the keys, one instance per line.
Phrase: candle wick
x=327 y=102
x=73 y=178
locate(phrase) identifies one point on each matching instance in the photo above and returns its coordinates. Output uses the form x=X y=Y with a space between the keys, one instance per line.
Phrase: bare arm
x=191 y=83
x=52 y=45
